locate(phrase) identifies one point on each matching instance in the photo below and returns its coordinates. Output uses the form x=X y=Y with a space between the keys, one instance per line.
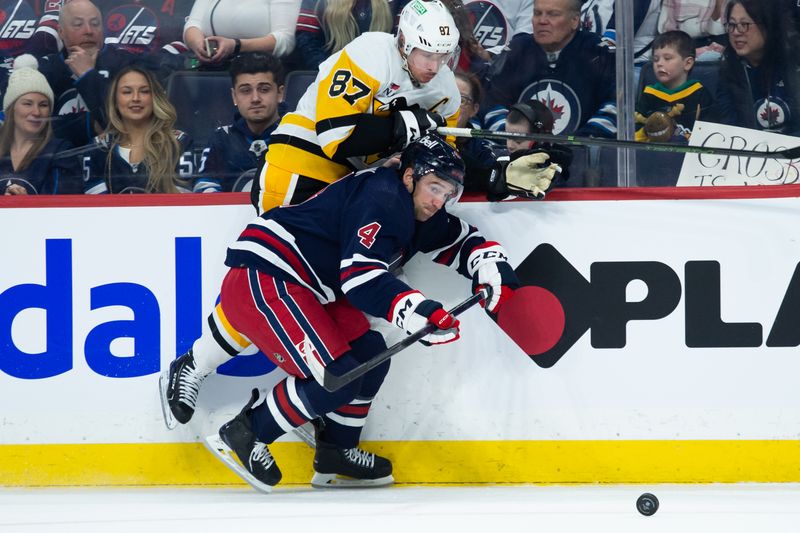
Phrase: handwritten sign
x=717 y=170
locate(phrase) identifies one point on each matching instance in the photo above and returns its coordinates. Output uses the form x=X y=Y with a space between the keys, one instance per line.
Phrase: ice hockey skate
x=347 y=468
x=179 y=386
x=236 y=440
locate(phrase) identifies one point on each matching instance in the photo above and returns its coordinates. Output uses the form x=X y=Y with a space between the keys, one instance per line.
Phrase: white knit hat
x=25 y=78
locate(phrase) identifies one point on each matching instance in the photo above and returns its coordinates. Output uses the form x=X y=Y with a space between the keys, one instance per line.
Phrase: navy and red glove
x=411 y=311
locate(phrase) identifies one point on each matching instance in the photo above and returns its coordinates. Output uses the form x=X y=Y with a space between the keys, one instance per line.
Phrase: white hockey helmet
x=427 y=25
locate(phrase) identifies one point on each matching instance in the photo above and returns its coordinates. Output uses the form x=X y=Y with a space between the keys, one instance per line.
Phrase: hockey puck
x=647 y=504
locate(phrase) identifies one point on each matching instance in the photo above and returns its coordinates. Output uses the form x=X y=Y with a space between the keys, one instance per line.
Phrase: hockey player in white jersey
x=370 y=100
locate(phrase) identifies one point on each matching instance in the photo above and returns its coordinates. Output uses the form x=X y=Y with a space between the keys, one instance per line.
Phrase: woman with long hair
x=31 y=159
x=139 y=152
x=759 y=73
x=325 y=26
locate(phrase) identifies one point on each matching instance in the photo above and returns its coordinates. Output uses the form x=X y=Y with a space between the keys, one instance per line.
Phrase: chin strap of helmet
x=404 y=57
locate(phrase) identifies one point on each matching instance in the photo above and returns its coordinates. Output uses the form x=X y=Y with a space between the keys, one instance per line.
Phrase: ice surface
x=411 y=509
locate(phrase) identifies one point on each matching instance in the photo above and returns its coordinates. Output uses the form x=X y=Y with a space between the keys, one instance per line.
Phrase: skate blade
x=305 y=433
x=221 y=450
x=335 y=481
x=163 y=383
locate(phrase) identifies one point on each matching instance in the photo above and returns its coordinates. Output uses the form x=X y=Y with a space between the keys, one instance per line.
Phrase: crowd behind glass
x=125 y=98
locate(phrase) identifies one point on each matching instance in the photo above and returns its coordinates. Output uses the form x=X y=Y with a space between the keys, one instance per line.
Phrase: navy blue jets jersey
x=346 y=241
x=104 y=174
x=26 y=26
x=231 y=158
x=144 y=26
x=578 y=86
x=50 y=173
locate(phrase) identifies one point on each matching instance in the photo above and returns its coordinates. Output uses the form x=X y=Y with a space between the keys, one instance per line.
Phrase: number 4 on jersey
x=368 y=233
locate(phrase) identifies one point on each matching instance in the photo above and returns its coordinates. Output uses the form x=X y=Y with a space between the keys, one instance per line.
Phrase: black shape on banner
x=545 y=267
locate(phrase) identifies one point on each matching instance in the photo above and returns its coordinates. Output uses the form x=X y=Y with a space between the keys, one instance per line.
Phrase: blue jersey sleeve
x=376 y=230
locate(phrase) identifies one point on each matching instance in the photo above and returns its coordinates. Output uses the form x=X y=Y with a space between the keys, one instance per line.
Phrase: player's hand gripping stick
x=333 y=382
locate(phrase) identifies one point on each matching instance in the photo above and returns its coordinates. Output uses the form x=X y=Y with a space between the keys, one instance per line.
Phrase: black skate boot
x=257 y=466
x=179 y=386
x=351 y=467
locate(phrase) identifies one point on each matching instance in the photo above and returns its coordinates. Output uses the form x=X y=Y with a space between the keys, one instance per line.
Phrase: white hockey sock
x=218 y=343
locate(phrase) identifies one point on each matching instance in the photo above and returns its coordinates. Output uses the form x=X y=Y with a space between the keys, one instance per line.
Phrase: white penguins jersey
x=364 y=77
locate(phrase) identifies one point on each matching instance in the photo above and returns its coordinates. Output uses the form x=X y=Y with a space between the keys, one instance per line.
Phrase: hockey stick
x=333 y=383
x=784 y=153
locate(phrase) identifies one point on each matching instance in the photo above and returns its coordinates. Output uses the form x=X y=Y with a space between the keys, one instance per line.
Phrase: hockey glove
x=531 y=175
x=411 y=124
x=411 y=311
x=488 y=265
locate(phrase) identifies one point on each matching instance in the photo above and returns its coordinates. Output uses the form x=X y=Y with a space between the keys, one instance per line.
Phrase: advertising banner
x=680 y=337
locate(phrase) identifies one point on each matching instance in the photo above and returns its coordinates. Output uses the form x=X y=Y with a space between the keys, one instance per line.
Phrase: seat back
x=203 y=102
x=296 y=84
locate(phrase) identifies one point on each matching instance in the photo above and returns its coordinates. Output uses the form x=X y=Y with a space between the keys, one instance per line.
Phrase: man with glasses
x=235 y=151
x=563 y=67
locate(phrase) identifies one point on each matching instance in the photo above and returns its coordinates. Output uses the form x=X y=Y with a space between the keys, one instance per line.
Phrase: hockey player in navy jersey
x=301 y=283
x=230 y=160
x=370 y=100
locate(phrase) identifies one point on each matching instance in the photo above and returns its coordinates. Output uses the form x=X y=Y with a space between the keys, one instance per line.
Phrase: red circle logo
x=116 y=21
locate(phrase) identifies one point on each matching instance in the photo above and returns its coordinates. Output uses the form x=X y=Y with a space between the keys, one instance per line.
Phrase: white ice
x=416 y=509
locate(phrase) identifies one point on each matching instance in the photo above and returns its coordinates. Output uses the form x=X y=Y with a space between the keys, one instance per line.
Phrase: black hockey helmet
x=431 y=154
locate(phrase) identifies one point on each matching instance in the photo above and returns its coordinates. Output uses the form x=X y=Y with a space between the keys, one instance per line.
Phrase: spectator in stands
x=565 y=68
x=217 y=30
x=597 y=16
x=28 y=26
x=230 y=161
x=703 y=20
x=473 y=57
x=758 y=76
x=471 y=90
x=145 y=26
x=478 y=154
x=29 y=154
x=527 y=117
x=139 y=152
x=325 y=26
x=668 y=108
x=495 y=23
x=80 y=73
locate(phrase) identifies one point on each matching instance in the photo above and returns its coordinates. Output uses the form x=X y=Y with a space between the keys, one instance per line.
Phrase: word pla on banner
x=718 y=170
